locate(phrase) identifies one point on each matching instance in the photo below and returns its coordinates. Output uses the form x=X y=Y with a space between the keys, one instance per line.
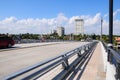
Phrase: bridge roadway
x=13 y=60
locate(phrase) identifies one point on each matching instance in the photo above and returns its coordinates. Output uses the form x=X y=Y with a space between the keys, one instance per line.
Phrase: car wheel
x=9 y=45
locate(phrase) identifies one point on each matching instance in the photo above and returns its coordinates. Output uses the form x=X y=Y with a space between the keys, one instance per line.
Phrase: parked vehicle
x=6 y=41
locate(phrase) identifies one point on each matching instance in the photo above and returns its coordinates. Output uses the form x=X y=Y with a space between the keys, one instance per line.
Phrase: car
x=6 y=41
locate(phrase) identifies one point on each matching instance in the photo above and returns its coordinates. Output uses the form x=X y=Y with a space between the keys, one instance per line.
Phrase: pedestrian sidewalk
x=95 y=67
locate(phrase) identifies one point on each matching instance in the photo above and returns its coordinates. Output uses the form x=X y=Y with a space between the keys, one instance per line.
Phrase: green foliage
x=105 y=38
x=29 y=36
x=54 y=35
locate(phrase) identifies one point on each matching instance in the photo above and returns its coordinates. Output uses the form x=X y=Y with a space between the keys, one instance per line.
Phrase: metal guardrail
x=40 y=69
x=114 y=58
x=105 y=45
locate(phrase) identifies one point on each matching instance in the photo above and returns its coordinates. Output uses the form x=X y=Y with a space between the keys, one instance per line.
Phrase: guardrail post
x=65 y=63
x=110 y=56
x=88 y=47
x=118 y=71
x=79 y=52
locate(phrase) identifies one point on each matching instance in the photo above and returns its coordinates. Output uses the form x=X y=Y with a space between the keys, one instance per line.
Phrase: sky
x=42 y=16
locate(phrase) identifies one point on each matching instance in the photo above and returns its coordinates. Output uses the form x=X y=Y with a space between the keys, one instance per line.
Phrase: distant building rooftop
x=117 y=38
x=78 y=19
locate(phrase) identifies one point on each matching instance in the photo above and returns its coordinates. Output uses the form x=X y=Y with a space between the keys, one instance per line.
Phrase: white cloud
x=116 y=12
x=116 y=27
x=92 y=20
x=41 y=26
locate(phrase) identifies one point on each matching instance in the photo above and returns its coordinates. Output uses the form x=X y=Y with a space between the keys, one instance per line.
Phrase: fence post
x=65 y=62
x=79 y=52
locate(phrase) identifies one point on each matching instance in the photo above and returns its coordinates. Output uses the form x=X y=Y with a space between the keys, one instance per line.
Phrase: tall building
x=79 y=24
x=60 y=31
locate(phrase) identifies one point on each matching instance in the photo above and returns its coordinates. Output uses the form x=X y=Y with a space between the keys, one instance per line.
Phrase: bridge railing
x=114 y=58
x=67 y=61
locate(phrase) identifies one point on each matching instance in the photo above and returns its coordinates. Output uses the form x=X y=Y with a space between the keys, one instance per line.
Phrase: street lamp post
x=101 y=27
x=110 y=55
x=110 y=22
x=110 y=45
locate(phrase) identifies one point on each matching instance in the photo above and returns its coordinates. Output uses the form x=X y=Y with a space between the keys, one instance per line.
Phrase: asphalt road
x=12 y=61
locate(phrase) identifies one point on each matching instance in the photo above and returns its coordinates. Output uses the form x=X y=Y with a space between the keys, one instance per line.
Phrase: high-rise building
x=60 y=31
x=79 y=24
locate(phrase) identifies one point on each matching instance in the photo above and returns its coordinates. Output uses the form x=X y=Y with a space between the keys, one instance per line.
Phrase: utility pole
x=101 y=27
x=111 y=22
x=110 y=45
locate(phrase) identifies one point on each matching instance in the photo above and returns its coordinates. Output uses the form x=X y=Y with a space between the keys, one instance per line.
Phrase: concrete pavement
x=95 y=67
x=15 y=60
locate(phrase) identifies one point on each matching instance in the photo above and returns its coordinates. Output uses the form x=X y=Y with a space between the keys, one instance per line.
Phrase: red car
x=6 y=41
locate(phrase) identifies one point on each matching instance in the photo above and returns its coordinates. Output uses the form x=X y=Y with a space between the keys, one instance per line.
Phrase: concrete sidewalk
x=95 y=67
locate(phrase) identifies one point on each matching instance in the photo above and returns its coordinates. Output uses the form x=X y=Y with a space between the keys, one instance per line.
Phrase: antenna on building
x=101 y=26
x=51 y=31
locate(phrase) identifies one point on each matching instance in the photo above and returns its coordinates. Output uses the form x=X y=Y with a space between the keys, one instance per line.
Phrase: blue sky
x=21 y=10
x=50 y=8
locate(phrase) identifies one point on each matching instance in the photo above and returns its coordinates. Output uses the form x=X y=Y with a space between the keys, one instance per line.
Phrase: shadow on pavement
x=78 y=71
